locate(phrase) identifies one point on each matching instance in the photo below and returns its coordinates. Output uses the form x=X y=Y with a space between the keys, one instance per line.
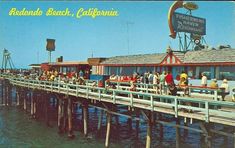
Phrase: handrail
x=150 y=101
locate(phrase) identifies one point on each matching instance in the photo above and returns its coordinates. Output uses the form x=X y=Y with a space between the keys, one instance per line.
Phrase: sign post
x=50 y=47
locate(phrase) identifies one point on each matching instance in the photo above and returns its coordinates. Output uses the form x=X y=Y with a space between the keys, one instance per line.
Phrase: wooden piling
x=69 y=109
x=206 y=132
x=100 y=120
x=149 y=134
x=35 y=105
x=24 y=100
x=161 y=129
x=85 y=120
x=7 y=95
x=2 y=91
x=31 y=96
x=137 y=123
x=59 y=122
x=234 y=138
x=108 y=129
x=17 y=96
x=46 y=106
x=129 y=120
x=64 y=108
x=177 y=134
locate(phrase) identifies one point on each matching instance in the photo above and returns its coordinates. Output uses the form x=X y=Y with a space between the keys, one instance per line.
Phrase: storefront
x=219 y=63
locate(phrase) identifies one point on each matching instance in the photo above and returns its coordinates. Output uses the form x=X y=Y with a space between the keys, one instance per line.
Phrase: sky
x=78 y=39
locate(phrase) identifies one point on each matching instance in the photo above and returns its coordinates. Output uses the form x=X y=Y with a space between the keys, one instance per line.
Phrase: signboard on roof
x=189 y=24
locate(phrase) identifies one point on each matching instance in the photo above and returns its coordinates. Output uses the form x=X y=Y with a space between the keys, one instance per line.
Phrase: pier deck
x=221 y=112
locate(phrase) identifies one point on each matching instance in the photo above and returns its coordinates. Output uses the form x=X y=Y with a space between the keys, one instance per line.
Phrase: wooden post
x=206 y=131
x=234 y=139
x=100 y=120
x=7 y=95
x=46 y=106
x=2 y=91
x=17 y=97
x=129 y=120
x=31 y=102
x=149 y=128
x=64 y=114
x=108 y=129
x=60 y=115
x=35 y=105
x=177 y=134
x=85 y=120
x=137 y=123
x=69 y=109
x=25 y=103
x=185 y=132
x=161 y=129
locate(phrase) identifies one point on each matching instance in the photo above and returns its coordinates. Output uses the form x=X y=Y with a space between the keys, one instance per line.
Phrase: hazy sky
x=76 y=39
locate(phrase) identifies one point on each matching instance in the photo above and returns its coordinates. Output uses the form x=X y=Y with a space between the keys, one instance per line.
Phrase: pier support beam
x=60 y=116
x=35 y=100
x=137 y=124
x=161 y=129
x=2 y=91
x=177 y=134
x=100 y=120
x=6 y=94
x=24 y=100
x=85 y=119
x=108 y=129
x=70 y=126
x=31 y=96
x=17 y=96
x=46 y=106
x=234 y=139
x=129 y=120
x=149 y=129
x=206 y=132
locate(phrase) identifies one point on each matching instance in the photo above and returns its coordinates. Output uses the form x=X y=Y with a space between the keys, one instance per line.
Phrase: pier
x=36 y=96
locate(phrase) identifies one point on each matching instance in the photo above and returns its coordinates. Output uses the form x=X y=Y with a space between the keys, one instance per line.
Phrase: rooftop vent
x=224 y=46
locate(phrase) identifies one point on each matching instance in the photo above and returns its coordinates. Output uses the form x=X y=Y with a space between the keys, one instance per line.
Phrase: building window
x=206 y=70
x=113 y=70
x=128 y=71
x=142 y=70
x=227 y=72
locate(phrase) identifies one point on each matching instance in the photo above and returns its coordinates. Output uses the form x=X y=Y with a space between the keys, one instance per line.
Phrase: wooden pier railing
x=206 y=110
x=150 y=88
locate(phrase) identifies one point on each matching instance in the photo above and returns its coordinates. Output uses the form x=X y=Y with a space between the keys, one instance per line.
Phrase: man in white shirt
x=225 y=88
x=204 y=80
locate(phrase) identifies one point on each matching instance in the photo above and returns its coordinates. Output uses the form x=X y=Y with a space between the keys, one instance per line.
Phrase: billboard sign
x=50 y=45
x=189 y=24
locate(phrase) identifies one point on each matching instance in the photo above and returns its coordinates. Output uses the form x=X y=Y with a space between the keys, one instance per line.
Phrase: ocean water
x=18 y=129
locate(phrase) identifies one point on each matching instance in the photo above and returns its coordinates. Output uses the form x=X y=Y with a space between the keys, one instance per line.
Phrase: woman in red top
x=169 y=78
x=170 y=83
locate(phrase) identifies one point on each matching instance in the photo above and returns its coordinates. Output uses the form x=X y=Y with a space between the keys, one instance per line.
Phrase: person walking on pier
x=225 y=89
x=184 y=83
x=162 y=82
x=204 y=80
x=156 y=81
x=170 y=83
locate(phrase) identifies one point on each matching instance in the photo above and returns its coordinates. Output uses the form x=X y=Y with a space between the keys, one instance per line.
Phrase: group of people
x=165 y=82
x=159 y=80
x=52 y=75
